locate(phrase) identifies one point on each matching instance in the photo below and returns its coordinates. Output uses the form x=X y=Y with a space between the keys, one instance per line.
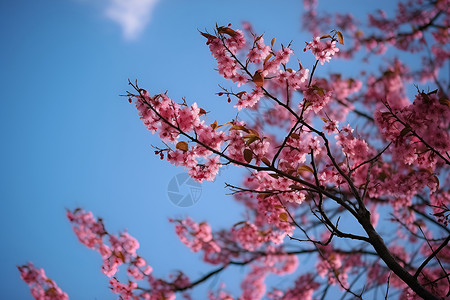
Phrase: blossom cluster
x=195 y=236
x=41 y=287
x=253 y=285
x=170 y=119
x=223 y=47
x=336 y=267
x=120 y=250
x=304 y=287
x=302 y=184
x=415 y=128
x=323 y=51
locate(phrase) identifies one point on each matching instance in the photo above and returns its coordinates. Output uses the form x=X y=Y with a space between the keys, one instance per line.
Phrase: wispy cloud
x=131 y=15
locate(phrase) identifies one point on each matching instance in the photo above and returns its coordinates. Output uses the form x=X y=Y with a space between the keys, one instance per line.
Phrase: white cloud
x=131 y=15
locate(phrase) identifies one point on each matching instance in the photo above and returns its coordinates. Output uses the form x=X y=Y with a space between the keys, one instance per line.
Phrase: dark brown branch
x=371 y=160
x=429 y=218
x=435 y=252
x=284 y=143
x=358 y=112
x=383 y=252
x=415 y=134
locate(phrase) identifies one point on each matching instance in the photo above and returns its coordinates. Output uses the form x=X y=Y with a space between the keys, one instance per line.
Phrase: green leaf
x=183 y=146
x=272 y=42
x=251 y=140
x=405 y=131
x=207 y=35
x=238 y=127
x=214 y=125
x=248 y=155
x=265 y=161
x=227 y=30
x=258 y=79
x=258 y=37
x=305 y=168
x=340 y=37
x=319 y=90
x=267 y=58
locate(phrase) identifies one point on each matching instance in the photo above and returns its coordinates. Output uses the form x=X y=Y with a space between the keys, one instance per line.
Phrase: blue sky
x=69 y=140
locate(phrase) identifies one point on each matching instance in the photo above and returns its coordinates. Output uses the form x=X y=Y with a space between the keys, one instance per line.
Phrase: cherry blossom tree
x=354 y=171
